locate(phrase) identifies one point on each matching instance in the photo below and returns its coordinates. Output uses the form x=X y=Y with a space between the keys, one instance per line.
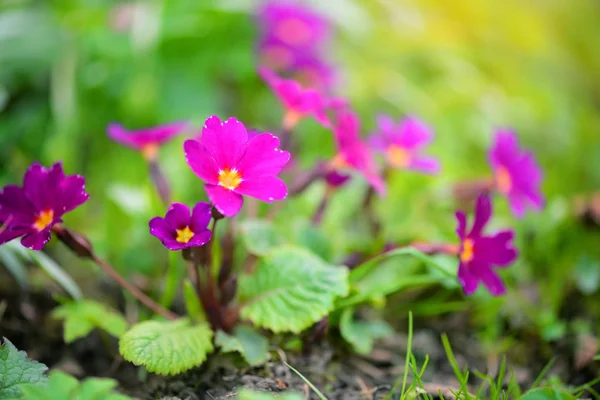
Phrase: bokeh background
x=68 y=68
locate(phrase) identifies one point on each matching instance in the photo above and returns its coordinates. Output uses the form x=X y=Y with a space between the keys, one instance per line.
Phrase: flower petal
x=41 y=185
x=71 y=194
x=174 y=245
x=160 y=229
x=8 y=234
x=262 y=157
x=201 y=215
x=497 y=249
x=467 y=280
x=428 y=165
x=225 y=141
x=266 y=188
x=120 y=135
x=15 y=207
x=178 y=216
x=461 y=229
x=200 y=239
x=493 y=282
x=36 y=240
x=201 y=162
x=483 y=212
x=226 y=201
x=413 y=134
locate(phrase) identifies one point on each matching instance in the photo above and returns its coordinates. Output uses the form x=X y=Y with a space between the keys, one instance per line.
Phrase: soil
x=330 y=365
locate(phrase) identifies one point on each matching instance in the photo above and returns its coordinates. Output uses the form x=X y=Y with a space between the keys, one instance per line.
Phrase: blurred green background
x=68 y=68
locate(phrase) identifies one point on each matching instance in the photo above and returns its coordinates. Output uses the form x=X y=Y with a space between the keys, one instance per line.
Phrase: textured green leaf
x=291 y=289
x=62 y=386
x=167 y=347
x=16 y=370
x=362 y=334
x=259 y=237
x=247 y=341
x=82 y=316
x=314 y=239
x=547 y=394
x=254 y=395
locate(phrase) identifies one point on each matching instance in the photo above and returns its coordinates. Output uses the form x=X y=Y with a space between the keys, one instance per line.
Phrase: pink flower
x=148 y=140
x=298 y=101
x=232 y=166
x=179 y=230
x=354 y=153
x=403 y=143
x=480 y=254
x=517 y=174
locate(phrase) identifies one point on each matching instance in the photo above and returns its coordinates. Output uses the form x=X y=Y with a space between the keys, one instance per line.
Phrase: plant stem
x=160 y=181
x=320 y=211
x=171 y=281
x=135 y=292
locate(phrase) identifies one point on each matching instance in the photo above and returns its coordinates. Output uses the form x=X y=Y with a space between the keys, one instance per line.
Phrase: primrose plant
x=280 y=284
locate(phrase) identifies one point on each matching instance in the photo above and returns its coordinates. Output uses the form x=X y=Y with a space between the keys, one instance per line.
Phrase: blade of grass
x=542 y=374
x=408 y=354
x=14 y=266
x=309 y=383
x=513 y=386
x=452 y=359
x=501 y=373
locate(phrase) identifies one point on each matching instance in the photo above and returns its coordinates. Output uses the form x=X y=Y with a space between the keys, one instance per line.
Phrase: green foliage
x=259 y=236
x=291 y=289
x=17 y=370
x=547 y=394
x=82 y=316
x=362 y=334
x=254 y=395
x=245 y=340
x=167 y=347
x=64 y=387
x=192 y=303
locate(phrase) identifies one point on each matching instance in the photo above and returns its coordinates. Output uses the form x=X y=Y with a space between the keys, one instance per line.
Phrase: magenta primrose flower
x=233 y=165
x=179 y=230
x=480 y=254
x=403 y=143
x=298 y=101
x=147 y=140
x=295 y=26
x=353 y=152
x=517 y=174
x=32 y=210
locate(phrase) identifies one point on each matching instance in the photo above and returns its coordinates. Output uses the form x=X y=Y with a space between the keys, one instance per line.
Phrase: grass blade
x=408 y=354
x=309 y=383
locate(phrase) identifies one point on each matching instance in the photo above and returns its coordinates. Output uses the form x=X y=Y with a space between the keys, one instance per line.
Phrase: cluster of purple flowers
x=234 y=163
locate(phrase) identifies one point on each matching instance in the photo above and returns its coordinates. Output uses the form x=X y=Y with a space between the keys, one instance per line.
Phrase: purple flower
x=353 y=152
x=402 y=144
x=31 y=211
x=294 y=26
x=298 y=101
x=148 y=140
x=233 y=165
x=179 y=230
x=517 y=174
x=480 y=254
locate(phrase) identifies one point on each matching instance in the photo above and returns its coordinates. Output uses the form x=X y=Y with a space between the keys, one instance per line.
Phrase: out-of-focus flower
x=298 y=101
x=295 y=26
x=32 y=210
x=480 y=254
x=517 y=174
x=148 y=140
x=232 y=166
x=353 y=152
x=402 y=144
x=179 y=230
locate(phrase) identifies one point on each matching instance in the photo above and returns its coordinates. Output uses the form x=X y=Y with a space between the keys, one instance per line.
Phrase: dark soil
x=330 y=365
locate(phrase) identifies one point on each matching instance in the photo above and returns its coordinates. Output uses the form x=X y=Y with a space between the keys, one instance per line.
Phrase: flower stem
x=160 y=181
x=171 y=281
x=135 y=292
x=320 y=211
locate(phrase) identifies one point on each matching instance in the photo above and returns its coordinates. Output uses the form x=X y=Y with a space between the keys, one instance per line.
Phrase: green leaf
x=82 y=316
x=14 y=266
x=167 y=347
x=291 y=289
x=547 y=394
x=362 y=334
x=192 y=303
x=16 y=370
x=314 y=239
x=247 y=341
x=259 y=237
x=254 y=395
x=62 y=386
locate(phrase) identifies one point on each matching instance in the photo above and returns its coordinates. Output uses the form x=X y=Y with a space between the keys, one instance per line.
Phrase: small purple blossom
x=403 y=143
x=233 y=165
x=147 y=140
x=179 y=230
x=32 y=210
x=517 y=174
x=479 y=254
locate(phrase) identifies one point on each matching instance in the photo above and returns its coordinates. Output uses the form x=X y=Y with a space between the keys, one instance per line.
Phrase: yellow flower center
x=230 y=178
x=43 y=220
x=503 y=180
x=150 y=151
x=398 y=157
x=466 y=255
x=184 y=235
